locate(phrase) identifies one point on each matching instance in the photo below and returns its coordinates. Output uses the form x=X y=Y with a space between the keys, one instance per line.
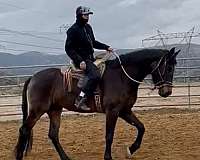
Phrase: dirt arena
x=171 y=134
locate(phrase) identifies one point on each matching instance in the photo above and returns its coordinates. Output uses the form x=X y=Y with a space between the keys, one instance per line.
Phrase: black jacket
x=80 y=43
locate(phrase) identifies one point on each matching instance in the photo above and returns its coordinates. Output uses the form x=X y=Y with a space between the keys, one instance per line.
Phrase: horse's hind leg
x=25 y=133
x=29 y=143
x=55 y=117
x=134 y=121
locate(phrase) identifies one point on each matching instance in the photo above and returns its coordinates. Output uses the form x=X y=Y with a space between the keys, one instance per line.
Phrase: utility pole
x=63 y=28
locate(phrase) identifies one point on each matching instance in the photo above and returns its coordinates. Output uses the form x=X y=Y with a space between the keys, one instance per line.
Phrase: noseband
x=162 y=82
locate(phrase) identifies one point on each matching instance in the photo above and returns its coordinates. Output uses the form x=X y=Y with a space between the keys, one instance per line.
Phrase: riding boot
x=80 y=103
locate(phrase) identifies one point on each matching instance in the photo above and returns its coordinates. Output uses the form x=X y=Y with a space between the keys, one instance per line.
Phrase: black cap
x=83 y=10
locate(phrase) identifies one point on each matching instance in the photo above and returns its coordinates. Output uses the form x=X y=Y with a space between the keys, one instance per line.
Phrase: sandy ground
x=171 y=134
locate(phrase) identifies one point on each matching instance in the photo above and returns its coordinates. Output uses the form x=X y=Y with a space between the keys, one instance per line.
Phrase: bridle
x=159 y=84
x=162 y=82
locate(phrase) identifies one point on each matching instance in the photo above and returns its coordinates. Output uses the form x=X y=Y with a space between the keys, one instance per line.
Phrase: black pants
x=94 y=77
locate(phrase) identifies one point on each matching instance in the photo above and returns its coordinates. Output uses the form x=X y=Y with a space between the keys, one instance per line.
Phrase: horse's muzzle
x=165 y=90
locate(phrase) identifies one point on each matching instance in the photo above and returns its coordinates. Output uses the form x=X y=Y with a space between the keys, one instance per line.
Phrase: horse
x=45 y=92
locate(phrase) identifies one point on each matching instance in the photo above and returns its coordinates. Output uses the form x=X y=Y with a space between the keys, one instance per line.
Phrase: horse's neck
x=137 y=72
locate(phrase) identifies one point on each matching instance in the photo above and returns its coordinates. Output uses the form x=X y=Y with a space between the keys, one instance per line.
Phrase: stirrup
x=80 y=103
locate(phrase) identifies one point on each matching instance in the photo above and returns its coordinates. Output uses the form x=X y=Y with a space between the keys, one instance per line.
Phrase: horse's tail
x=29 y=141
x=24 y=100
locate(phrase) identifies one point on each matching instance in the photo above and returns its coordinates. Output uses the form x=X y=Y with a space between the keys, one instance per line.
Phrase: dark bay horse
x=45 y=92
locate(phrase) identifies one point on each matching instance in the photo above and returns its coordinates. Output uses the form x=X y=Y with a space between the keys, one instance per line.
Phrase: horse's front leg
x=129 y=117
x=111 y=119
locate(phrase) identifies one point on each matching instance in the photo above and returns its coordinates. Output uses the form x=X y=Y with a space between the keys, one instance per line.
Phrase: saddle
x=71 y=72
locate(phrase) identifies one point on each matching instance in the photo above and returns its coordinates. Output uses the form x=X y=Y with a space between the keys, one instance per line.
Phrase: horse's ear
x=172 y=51
x=172 y=56
x=175 y=54
x=178 y=51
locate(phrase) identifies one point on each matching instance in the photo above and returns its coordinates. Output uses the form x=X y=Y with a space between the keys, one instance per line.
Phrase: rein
x=120 y=62
x=157 y=86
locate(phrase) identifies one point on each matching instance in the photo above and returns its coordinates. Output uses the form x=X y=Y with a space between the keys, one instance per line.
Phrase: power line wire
x=11 y=5
x=15 y=6
x=29 y=34
x=31 y=45
x=21 y=50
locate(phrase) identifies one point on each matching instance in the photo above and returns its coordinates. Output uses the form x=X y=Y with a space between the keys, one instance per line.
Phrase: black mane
x=139 y=56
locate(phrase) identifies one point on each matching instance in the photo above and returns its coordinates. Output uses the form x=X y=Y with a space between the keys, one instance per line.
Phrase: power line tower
x=163 y=40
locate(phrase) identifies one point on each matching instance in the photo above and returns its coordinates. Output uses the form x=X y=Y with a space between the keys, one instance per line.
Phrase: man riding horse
x=79 y=46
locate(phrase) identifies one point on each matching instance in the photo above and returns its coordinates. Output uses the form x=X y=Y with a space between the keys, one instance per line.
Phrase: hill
x=37 y=58
x=30 y=58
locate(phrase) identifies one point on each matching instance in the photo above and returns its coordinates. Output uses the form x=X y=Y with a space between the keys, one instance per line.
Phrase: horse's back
x=43 y=84
x=45 y=78
x=47 y=74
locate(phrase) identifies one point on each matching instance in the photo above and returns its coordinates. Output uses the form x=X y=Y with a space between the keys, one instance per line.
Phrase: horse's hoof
x=128 y=153
x=108 y=158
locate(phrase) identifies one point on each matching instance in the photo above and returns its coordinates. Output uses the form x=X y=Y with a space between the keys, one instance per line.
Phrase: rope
x=107 y=56
x=125 y=70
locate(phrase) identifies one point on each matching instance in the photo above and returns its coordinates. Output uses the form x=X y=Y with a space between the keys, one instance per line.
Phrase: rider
x=79 y=46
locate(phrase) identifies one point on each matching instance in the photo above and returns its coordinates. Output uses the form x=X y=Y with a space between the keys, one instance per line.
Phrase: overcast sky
x=119 y=23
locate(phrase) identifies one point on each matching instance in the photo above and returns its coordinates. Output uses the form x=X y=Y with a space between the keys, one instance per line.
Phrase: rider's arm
x=97 y=44
x=70 y=46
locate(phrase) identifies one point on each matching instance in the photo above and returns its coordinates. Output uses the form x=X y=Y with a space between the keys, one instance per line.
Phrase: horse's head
x=163 y=71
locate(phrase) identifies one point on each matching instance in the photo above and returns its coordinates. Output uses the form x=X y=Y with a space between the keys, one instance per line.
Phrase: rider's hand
x=110 y=50
x=83 y=65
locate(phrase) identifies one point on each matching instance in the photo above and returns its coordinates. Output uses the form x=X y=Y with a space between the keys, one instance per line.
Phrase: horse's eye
x=170 y=69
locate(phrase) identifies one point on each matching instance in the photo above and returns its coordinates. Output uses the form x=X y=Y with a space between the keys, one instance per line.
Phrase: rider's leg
x=94 y=76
